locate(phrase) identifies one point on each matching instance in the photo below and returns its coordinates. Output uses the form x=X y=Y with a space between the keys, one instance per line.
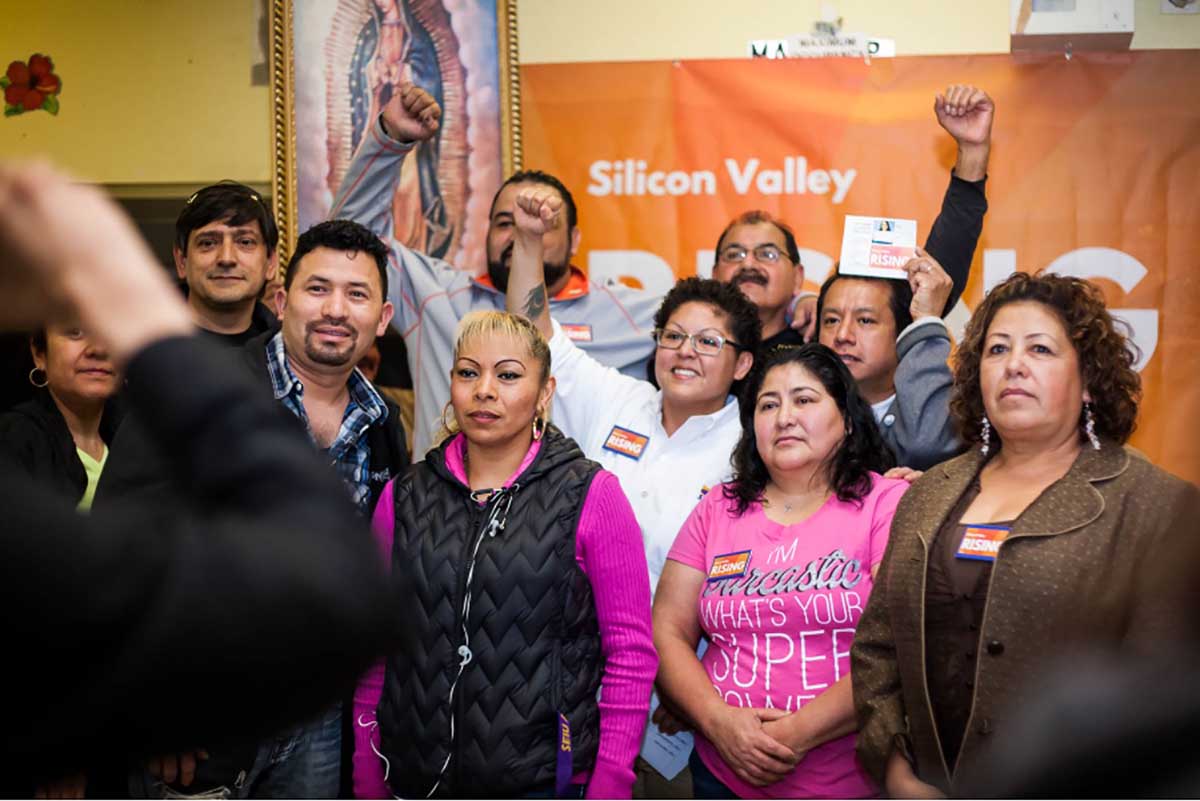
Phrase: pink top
x=779 y=608
x=608 y=548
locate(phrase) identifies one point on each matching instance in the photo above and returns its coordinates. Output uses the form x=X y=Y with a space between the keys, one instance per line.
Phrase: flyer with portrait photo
x=877 y=247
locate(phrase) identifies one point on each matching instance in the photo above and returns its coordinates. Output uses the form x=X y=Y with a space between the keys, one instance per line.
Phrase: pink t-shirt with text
x=779 y=609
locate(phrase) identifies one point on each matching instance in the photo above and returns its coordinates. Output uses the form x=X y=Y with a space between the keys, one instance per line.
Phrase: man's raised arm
x=966 y=113
x=365 y=194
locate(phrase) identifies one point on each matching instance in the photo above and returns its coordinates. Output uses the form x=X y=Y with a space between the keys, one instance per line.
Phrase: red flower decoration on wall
x=30 y=86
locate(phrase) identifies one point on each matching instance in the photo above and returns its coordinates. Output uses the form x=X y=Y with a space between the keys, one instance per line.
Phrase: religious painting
x=336 y=63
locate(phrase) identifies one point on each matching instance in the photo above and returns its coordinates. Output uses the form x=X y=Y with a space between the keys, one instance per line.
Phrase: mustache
x=325 y=322
x=749 y=275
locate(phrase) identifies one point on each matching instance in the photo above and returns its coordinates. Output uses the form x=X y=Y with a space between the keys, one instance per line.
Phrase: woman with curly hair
x=774 y=569
x=1035 y=541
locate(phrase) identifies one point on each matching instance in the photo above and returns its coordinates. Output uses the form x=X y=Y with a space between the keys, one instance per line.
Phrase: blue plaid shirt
x=350 y=453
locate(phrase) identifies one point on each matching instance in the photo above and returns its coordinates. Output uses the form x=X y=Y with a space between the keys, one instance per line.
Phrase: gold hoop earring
x=449 y=424
x=538 y=430
x=45 y=377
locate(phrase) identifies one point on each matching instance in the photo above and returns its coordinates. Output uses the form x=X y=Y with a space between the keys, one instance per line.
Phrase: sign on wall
x=1094 y=173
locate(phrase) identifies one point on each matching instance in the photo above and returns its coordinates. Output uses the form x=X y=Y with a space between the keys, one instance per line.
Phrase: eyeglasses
x=767 y=254
x=703 y=343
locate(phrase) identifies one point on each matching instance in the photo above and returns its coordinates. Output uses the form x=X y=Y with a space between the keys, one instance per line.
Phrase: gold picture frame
x=287 y=177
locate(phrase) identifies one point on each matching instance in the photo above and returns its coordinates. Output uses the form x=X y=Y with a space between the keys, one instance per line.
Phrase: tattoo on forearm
x=535 y=302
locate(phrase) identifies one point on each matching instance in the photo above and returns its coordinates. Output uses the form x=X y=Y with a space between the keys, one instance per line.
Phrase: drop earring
x=1089 y=426
x=985 y=436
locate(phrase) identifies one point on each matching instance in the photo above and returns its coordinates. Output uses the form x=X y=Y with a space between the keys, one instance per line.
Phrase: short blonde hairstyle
x=486 y=324
x=497 y=323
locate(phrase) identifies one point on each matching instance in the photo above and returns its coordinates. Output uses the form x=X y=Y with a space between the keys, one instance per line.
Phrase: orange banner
x=1094 y=172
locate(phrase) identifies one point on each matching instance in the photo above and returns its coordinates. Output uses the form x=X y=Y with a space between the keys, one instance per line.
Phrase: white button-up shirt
x=662 y=476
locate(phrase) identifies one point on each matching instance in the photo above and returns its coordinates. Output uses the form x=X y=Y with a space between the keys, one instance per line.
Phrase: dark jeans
x=704 y=783
x=302 y=763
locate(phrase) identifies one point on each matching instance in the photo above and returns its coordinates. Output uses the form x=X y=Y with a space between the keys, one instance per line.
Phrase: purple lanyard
x=563 y=767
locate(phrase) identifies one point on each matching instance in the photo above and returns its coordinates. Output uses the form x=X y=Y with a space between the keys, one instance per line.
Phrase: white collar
x=880 y=409
x=707 y=421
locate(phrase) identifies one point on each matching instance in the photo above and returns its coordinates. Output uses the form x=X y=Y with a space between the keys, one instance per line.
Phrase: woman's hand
x=782 y=731
x=755 y=756
x=901 y=782
x=906 y=473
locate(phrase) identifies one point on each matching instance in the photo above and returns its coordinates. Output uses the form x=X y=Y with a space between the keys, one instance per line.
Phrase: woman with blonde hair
x=522 y=585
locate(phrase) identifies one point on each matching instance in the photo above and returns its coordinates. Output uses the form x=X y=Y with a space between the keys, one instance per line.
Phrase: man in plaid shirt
x=331 y=308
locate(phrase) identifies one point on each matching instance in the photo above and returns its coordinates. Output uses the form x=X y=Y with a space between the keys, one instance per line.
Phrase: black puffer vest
x=531 y=645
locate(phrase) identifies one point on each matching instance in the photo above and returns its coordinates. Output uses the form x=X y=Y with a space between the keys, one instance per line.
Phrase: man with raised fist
x=612 y=322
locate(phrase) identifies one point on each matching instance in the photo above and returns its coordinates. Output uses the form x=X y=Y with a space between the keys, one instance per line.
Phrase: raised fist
x=539 y=209
x=411 y=115
x=966 y=114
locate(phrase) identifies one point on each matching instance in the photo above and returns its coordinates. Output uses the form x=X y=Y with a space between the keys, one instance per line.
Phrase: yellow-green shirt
x=93 y=468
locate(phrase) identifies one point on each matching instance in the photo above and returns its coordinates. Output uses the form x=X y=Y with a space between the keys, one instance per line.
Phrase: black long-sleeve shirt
x=251 y=608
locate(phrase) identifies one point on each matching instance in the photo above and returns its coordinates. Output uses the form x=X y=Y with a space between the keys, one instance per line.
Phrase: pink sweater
x=608 y=548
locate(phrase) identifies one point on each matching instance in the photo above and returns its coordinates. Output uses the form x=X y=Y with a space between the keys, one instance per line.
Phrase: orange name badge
x=577 y=332
x=982 y=542
x=729 y=565
x=626 y=442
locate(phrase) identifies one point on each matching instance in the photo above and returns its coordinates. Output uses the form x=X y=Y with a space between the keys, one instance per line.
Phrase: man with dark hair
x=611 y=322
x=758 y=252
x=331 y=309
x=225 y=252
x=890 y=332
x=342 y=235
x=243 y=610
x=891 y=336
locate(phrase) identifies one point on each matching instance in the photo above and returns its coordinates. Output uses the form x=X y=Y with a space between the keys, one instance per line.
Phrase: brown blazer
x=1078 y=568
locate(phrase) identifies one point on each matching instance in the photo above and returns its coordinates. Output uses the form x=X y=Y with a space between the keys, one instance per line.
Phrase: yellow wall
x=158 y=91
x=154 y=91
x=646 y=30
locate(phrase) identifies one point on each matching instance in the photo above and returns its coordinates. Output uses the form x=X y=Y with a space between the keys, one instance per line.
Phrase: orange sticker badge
x=626 y=442
x=577 y=332
x=729 y=565
x=982 y=542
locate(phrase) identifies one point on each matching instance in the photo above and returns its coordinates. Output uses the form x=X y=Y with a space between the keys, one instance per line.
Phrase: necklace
x=787 y=504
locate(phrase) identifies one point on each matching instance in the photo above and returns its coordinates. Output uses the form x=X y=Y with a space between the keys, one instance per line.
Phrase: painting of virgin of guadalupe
x=344 y=59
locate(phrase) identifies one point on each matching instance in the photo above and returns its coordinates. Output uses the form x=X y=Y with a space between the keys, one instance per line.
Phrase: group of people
x=835 y=559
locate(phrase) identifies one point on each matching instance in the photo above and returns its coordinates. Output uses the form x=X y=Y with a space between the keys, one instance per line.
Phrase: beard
x=499 y=270
x=328 y=355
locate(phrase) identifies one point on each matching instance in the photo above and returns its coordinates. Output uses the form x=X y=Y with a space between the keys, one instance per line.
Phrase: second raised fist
x=411 y=115
x=539 y=209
